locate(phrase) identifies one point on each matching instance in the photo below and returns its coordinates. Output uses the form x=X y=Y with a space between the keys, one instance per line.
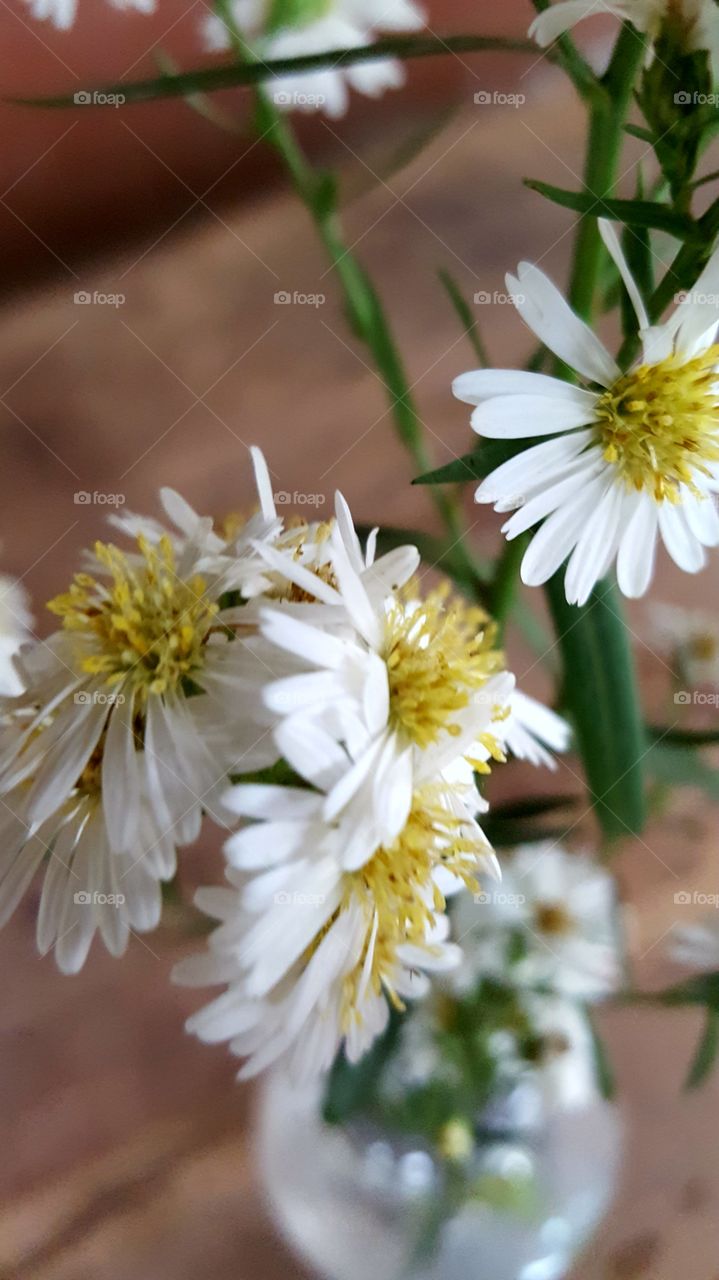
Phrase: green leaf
x=600 y=695
x=678 y=766
x=603 y=1071
x=524 y=822
x=210 y=79
x=477 y=464
x=672 y=736
x=706 y=1052
x=633 y=213
x=351 y=1087
x=466 y=318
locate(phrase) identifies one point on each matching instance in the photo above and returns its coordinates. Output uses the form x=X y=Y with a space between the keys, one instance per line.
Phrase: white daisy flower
x=63 y=12
x=697 y=945
x=313 y=953
x=559 y=907
x=699 y=20
x=320 y=28
x=146 y=671
x=87 y=886
x=632 y=456
x=15 y=624
x=402 y=688
x=690 y=638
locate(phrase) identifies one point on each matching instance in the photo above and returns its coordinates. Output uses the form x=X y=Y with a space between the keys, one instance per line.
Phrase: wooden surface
x=127 y=1147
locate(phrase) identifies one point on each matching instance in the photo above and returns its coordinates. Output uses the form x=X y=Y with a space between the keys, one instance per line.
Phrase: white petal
x=263 y=483
x=590 y=464
x=683 y=547
x=531 y=470
x=596 y=547
x=544 y=309
x=488 y=384
x=558 y=18
x=637 y=549
x=516 y=417
x=611 y=240
x=551 y=545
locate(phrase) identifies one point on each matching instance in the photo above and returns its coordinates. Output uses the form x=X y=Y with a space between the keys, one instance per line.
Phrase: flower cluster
x=201 y=654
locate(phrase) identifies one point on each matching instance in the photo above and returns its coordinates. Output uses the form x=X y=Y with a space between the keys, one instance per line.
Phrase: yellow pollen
x=553 y=918
x=438 y=657
x=704 y=647
x=659 y=424
x=142 y=624
x=396 y=889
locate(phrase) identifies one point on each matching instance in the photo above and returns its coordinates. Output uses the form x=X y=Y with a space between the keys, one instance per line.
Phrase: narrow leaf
x=633 y=213
x=210 y=79
x=466 y=318
x=600 y=694
x=706 y=1052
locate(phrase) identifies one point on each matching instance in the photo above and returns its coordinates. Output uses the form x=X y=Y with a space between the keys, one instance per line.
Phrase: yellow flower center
x=144 y=624
x=659 y=424
x=438 y=657
x=703 y=647
x=554 y=919
x=396 y=889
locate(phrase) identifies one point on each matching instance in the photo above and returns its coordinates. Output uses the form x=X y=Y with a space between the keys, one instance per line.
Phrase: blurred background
x=128 y=1146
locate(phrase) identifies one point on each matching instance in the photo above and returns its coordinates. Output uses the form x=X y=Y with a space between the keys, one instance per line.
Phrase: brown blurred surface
x=127 y=1144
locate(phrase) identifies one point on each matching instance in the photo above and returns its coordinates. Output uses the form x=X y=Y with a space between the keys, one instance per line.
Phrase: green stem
x=606 y=129
x=600 y=685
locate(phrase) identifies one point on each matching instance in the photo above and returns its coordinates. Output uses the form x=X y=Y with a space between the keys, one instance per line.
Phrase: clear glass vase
x=355 y=1202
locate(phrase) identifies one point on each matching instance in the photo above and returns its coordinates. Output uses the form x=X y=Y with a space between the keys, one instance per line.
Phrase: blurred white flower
x=697 y=945
x=87 y=884
x=63 y=12
x=632 y=457
x=283 y=30
x=550 y=923
x=314 y=952
x=688 y=636
x=15 y=623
